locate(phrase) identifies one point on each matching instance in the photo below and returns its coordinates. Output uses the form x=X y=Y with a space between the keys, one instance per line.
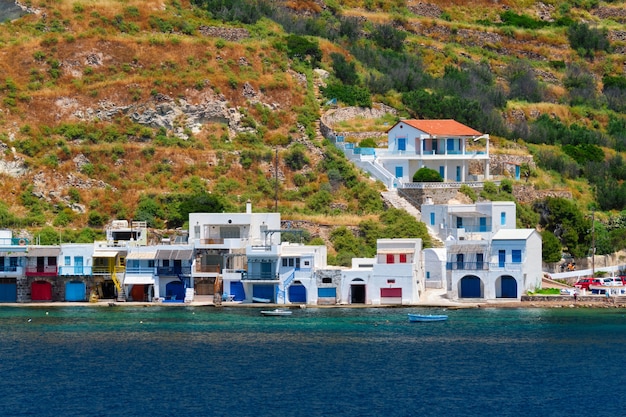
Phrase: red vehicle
x=584 y=283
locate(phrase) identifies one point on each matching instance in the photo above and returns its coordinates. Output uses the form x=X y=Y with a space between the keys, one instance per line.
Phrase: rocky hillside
x=115 y=109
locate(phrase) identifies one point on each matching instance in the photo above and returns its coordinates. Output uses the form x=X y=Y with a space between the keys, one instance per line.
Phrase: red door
x=41 y=291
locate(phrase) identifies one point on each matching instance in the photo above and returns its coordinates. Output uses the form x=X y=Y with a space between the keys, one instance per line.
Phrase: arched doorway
x=41 y=291
x=297 y=293
x=506 y=287
x=357 y=291
x=471 y=287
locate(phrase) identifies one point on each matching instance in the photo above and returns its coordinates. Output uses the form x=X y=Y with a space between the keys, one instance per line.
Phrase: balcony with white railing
x=221 y=243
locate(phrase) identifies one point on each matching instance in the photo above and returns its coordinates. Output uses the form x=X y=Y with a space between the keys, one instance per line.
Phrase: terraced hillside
x=149 y=109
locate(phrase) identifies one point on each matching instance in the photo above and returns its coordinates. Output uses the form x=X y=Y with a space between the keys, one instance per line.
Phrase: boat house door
x=357 y=292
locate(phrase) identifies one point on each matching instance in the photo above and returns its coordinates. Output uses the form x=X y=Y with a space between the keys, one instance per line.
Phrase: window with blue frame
x=503 y=218
x=516 y=256
x=432 y=219
x=68 y=260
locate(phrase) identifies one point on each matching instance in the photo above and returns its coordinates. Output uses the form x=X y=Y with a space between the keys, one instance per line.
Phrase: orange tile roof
x=442 y=127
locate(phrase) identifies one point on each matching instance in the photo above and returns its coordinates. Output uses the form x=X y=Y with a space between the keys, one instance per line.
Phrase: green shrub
x=425 y=174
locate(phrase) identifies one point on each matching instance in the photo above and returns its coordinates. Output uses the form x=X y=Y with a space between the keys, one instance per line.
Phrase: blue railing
x=74 y=270
x=173 y=270
x=139 y=269
x=364 y=151
x=483 y=266
x=263 y=276
x=469 y=266
x=283 y=293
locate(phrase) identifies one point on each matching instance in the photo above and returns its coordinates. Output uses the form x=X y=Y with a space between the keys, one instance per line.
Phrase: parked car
x=613 y=281
x=584 y=283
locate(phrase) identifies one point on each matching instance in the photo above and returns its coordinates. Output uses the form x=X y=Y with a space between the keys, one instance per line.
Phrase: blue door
x=501 y=258
x=483 y=224
x=458 y=174
x=442 y=172
x=75 y=291
x=517 y=172
x=297 y=293
x=450 y=145
x=237 y=291
x=509 y=287
x=402 y=144
x=78 y=265
x=266 y=270
x=470 y=287
x=399 y=172
x=327 y=292
x=175 y=291
x=8 y=290
x=460 y=261
x=264 y=291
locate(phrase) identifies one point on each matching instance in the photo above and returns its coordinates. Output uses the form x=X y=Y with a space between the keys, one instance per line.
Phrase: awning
x=467 y=248
x=102 y=254
x=141 y=255
x=177 y=254
x=138 y=279
x=47 y=251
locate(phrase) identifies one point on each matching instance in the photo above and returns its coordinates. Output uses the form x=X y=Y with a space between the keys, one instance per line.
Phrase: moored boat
x=427 y=317
x=276 y=312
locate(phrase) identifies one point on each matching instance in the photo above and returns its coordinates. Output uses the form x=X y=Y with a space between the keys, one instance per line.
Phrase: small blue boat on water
x=427 y=317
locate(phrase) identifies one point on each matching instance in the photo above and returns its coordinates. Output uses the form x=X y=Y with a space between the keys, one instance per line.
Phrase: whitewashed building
x=394 y=276
x=486 y=256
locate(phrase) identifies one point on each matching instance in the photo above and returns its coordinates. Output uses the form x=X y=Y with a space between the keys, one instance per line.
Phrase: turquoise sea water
x=203 y=361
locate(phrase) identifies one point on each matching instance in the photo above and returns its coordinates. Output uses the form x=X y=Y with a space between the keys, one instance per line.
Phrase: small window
x=307 y=263
x=432 y=219
x=503 y=218
x=390 y=258
x=284 y=261
x=151 y=263
x=327 y=280
x=403 y=258
x=516 y=256
x=391 y=281
x=427 y=274
x=52 y=260
x=68 y=260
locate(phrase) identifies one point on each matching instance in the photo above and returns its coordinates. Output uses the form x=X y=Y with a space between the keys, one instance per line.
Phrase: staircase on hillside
x=394 y=199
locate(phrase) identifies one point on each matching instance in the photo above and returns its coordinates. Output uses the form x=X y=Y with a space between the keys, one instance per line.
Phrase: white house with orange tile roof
x=446 y=146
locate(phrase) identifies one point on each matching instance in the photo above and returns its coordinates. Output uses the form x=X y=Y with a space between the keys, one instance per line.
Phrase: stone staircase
x=392 y=198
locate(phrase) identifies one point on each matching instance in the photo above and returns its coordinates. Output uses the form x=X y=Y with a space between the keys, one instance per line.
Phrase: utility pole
x=593 y=243
x=276 y=184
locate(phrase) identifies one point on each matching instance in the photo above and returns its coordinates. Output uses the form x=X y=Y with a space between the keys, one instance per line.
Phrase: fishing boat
x=261 y=300
x=276 y=312
x=427 y=317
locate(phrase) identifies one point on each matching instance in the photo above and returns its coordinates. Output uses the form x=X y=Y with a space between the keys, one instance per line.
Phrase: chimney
x=248 y=207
